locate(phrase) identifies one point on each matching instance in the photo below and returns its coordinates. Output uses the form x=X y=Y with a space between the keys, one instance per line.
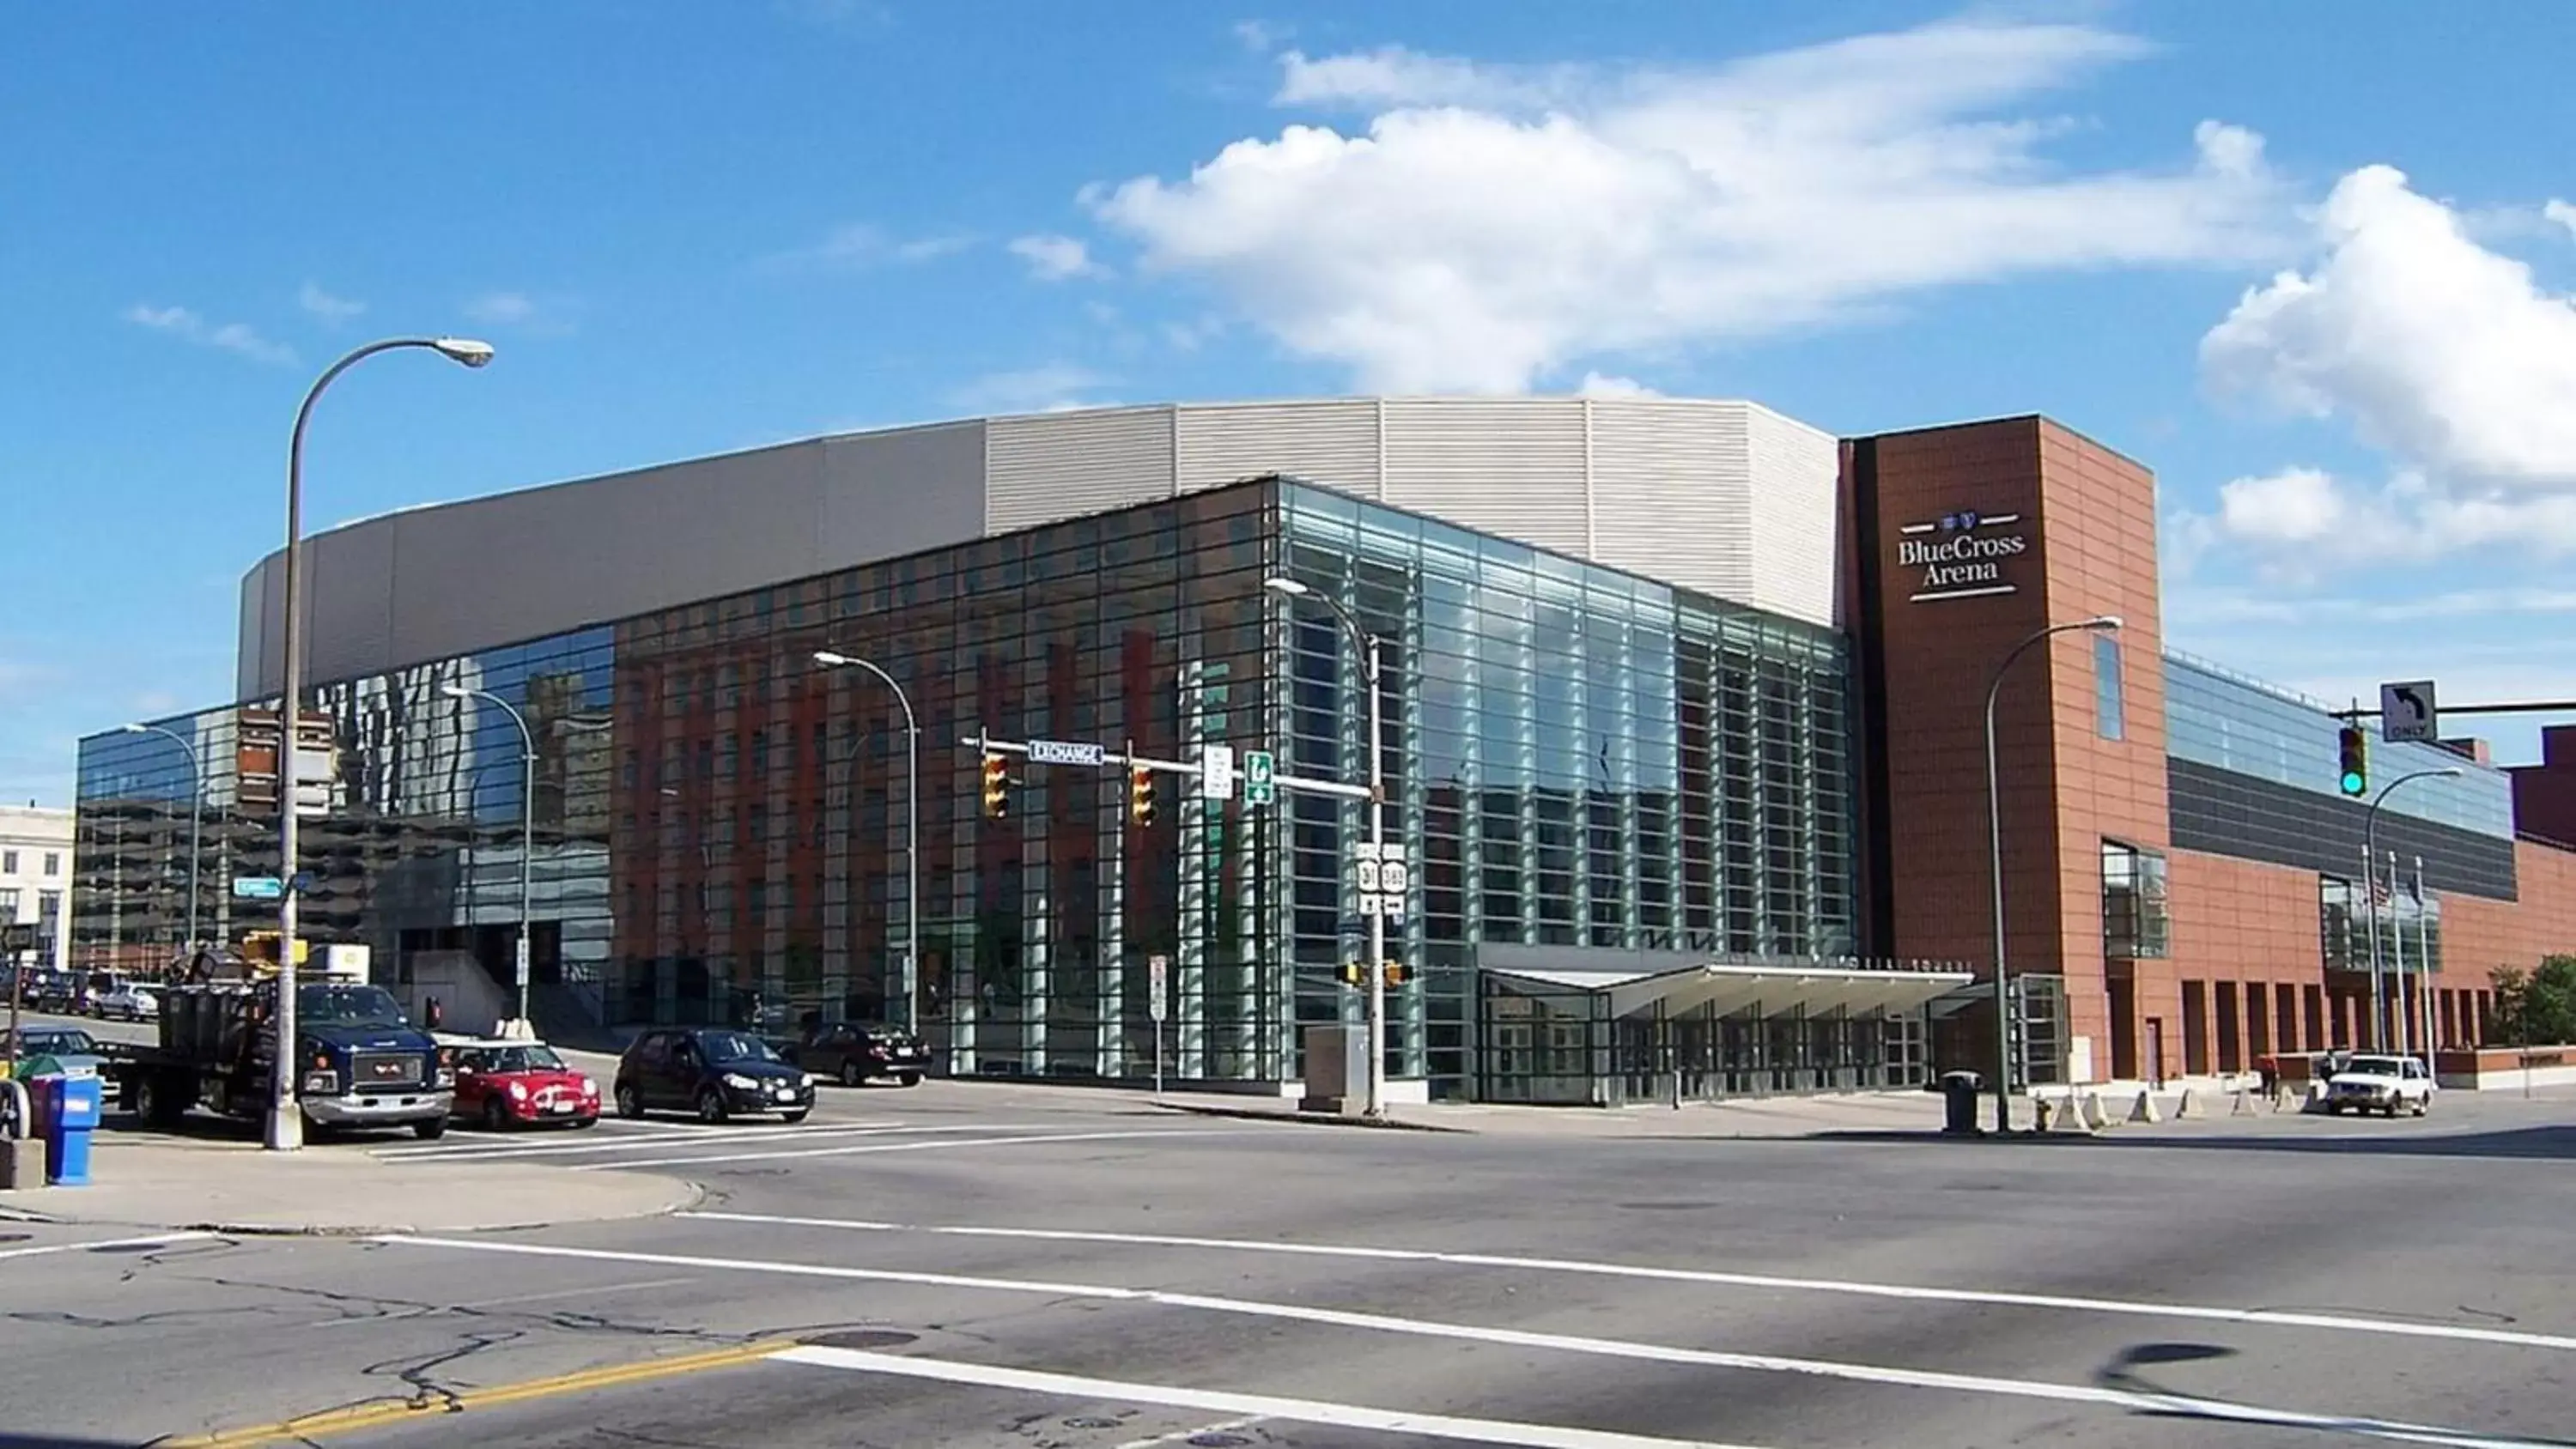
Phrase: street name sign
x=1064 y=752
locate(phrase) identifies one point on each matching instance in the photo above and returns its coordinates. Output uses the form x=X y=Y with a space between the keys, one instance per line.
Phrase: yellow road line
x=384 y=1413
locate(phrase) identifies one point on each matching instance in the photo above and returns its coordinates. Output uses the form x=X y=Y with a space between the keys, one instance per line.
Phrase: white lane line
x=488 y=1149
x=1221 y=1426
x=2277 y=1318
x=953 y=1142
x=2132 y=1400
x=154 y=1239
x=1247 y=1407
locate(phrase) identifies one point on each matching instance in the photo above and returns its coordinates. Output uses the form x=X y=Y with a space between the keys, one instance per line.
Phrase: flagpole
x=2403 y=1027
x=2370 y=906
x=2424 y=963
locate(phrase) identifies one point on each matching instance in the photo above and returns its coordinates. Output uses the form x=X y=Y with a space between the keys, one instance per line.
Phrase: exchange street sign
x=17 y=936
x=1064 y=752
x=258 y=888
x=2406 y=713
x=1216 y=771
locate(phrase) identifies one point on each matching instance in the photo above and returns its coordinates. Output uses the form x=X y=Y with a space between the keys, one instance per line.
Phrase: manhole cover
x=864 y=1338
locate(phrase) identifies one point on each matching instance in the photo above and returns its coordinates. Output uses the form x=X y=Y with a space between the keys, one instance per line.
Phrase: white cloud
x=1261 y=35
x=1493 y=224
x=2440 y=353
x=2561 y=213
x=1603 y=385
x=235 y=337
x=1051 y=387
x=330 y=309
x=865 y=244
x=1056 y=258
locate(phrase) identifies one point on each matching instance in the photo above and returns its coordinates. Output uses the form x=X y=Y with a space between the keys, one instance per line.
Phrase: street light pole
x=1995 y=853
x=285 y=1128
x=196 y=814
x=527 y=829
x=2370 y=893
x=1366 y=645
x=911 y=832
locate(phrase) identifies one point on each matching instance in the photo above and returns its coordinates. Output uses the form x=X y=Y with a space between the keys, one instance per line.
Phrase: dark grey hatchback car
x=712 y=1071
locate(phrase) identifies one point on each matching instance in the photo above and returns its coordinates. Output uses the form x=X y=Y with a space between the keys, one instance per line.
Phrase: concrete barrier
x=2144 y=1109
x=2244 y=1106
x=2094 y=1115
x=2189 y=1105
x=2070 y=1117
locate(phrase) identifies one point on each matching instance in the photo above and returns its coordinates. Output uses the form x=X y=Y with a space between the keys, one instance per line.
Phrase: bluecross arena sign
x=1961 y=555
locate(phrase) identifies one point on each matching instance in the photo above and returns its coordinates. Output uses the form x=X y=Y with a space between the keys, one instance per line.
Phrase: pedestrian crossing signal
x=1140 y=794
x=2356 y=760
x=997 y=787
x=1354 y=973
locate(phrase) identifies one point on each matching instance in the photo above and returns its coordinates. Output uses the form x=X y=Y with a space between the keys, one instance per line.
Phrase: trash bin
x=67 y=1113
x=1959 y=1103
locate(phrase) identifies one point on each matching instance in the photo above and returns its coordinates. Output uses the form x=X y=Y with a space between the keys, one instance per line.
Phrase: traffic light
x=1140 y=794
x=2356 y=760
x=1395 y=973
x=1351 y=975
x=997 y=787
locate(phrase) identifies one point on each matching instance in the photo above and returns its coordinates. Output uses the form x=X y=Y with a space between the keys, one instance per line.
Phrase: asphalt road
x=1026 y=1270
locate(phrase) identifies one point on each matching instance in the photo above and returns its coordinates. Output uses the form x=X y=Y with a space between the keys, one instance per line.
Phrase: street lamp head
x=1278 y=584
x=456 y=691
x=134 y=729
x=2105 y=622
x=463 y=349
x=830 y=660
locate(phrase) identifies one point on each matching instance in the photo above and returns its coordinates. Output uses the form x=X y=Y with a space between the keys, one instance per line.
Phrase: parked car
x=2382 y=1084
x=716 y=1072
x=852 y=1052
x=69 y=1045
x=127 y=1001
x=504 y=1084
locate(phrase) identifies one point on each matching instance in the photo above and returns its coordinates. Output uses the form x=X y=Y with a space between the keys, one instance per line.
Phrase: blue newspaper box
x=67 y=1113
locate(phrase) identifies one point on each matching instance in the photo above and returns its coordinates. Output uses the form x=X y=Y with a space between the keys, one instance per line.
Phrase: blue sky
x=2314 y=273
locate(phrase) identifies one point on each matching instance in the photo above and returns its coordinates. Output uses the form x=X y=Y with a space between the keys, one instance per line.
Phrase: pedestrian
x=433 y=1013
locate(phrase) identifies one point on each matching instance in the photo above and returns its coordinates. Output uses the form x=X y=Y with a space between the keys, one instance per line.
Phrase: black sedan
x=853 y=1052
x=712 y=1071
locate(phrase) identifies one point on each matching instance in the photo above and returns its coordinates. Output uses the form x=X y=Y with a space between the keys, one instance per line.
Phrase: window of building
x=2110 y=706
x=8 y=862
x=2135 y=925
x=53 y=863
x=8 y=905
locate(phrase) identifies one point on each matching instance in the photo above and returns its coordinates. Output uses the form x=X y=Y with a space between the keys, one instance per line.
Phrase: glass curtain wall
x=1577 y=757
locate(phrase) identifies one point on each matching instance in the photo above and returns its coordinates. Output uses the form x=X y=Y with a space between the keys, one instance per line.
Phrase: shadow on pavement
x=63 y=1441
x=2546 y=1143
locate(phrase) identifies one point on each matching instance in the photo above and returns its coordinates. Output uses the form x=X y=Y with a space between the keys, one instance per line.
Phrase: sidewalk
x=232 y=1186
x=1746 y=1117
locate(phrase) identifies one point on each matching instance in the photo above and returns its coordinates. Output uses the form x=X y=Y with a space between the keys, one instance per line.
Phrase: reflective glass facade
x=1581 y=758
x=2229 y=723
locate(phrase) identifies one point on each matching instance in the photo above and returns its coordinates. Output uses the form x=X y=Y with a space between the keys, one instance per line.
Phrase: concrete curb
x=1311 y=1119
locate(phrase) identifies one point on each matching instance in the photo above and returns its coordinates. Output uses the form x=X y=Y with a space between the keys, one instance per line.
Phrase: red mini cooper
x=514 y=1083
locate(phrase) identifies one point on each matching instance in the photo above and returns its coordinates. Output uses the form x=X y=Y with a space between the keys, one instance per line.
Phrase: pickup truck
x=2381 y=1084
x=357 y=1062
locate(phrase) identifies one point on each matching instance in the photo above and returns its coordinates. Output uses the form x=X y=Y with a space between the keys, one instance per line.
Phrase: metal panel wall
x=1333 y=442
x=1064 y=465
x=1513 y=467
x=1793 y=477
x=1670 y=490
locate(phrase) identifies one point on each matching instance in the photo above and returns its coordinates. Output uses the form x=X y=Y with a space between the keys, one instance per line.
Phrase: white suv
x=2381 y=1084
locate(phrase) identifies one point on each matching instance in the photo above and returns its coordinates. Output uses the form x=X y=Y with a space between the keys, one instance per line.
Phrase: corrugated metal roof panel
x=1332 y=442
x=1670 y=493
x=1050 y=466
x=1509 y=466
